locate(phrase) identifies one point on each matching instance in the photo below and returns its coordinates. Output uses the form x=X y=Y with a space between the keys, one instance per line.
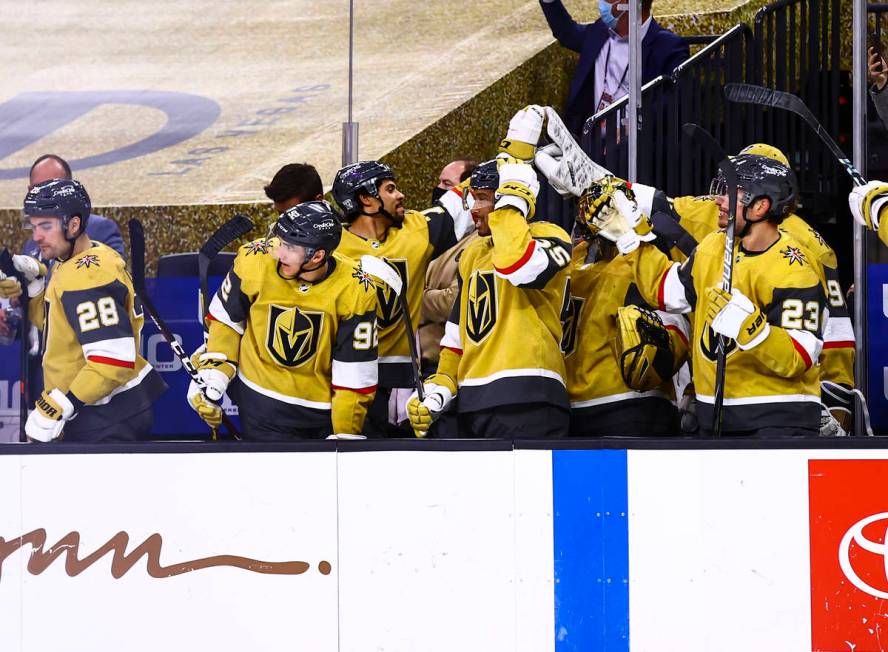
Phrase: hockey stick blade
x=233 y=229
x=137 y=259
x=769 y=97
x=382 y=270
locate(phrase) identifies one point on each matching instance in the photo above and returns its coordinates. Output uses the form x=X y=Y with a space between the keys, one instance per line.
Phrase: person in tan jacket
x=437 y=300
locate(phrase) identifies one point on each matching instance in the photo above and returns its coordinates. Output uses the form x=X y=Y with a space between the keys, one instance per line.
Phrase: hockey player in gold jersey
x=620 y=353
x=773 y=315
x=293 y=329
x=501 y=353
x=684 y=221
x=98 y=386
x=377 y=224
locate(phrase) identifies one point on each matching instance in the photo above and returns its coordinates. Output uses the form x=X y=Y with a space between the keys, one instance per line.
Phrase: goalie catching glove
x=644 y=348
x=34 y=273
x=608 y=209
x=733 y=315
x=51 y=412
x=524 y=132
x=439 y=392
x=215 y=372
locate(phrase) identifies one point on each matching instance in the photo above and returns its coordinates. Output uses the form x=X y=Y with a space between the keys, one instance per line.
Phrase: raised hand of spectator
x=877 y=70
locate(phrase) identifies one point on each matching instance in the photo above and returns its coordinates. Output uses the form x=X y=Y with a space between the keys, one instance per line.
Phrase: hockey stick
x=752 y=94
x=137 y=252
x=233 y=229
x=711 y=146
x=382 y=270
x=8 y=268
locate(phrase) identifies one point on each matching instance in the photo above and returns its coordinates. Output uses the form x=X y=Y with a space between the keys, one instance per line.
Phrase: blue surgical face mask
x=607 y=15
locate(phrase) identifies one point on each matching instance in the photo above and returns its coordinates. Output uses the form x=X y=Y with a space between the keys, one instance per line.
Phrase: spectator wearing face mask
x=602 y=74
x=452 y=175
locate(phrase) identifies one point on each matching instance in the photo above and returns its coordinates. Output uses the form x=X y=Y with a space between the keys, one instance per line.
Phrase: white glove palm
x=867 y=201
x=564 y=163
x=617 y=222
x=31 y=269
x=524 y=132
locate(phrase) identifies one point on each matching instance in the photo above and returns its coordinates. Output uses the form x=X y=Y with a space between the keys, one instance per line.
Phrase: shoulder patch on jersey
x=817 y=236
x=87 y=261
x=363 y=277
x=256 y=247
x=794 y=255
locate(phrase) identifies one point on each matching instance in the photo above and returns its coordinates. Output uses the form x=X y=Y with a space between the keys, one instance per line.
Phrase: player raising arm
x=501 y=347
x=293 y=329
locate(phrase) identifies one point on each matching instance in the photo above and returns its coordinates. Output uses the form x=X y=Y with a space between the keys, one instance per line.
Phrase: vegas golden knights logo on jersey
x=709 y=344
x=293 y=334
x=570 y=325
x=481 y=305
x=389 y=306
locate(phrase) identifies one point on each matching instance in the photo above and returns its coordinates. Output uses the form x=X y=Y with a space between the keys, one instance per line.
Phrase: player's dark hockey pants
x=525 y=421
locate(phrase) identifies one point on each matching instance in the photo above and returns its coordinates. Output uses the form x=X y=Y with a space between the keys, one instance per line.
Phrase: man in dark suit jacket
x=661 y=52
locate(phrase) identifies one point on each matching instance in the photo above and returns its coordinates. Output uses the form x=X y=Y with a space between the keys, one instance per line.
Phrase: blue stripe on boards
x=591 y=537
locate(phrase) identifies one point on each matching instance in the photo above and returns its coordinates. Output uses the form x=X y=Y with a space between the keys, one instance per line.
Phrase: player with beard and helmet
x=620 y=352
x=773 y=316
x=501 y=354
x=91 y=322
x=376 y=223
x=293 y=330
x=683 y=221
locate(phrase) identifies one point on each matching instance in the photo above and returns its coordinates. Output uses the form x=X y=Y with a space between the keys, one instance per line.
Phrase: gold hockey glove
x=644 y=348
x=439 y=392
x=34 y=272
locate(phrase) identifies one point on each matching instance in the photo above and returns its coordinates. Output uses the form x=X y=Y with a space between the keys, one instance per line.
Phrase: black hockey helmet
x=62 y=198
x=363 y=176
x=763 y=177
x=485 y=176
x=312 y=225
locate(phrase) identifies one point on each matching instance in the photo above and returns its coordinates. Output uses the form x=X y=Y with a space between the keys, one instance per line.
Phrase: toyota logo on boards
x=848 y=538
x=855 y=536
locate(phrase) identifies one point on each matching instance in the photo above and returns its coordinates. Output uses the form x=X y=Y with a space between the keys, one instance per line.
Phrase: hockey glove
x=518 y=187
x=50 y=413
x=216 y=371
x=606 y=210
x=34 y=272
x=733 y=315
x=829 y=425
x=866 y=201
x=439 y=392
x=209 y=411
x=839 y=400
x=524 y=132
x=644 y=348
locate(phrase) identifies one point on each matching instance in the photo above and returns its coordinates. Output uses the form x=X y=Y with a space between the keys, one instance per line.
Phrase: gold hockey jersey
x=597 y=289
x=775 y=383
x=505 y=324
x=305 y=351
x=422 y=237
x=684 y=221
x=92 y=326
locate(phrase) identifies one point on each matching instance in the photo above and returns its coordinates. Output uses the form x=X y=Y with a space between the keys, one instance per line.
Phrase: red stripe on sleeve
x=455 y=350
x=521 y=261
x=802 y=352
x=676 y=329
x=844 y=344
x=661 y=291
x=357 y=390
x=114 y=362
